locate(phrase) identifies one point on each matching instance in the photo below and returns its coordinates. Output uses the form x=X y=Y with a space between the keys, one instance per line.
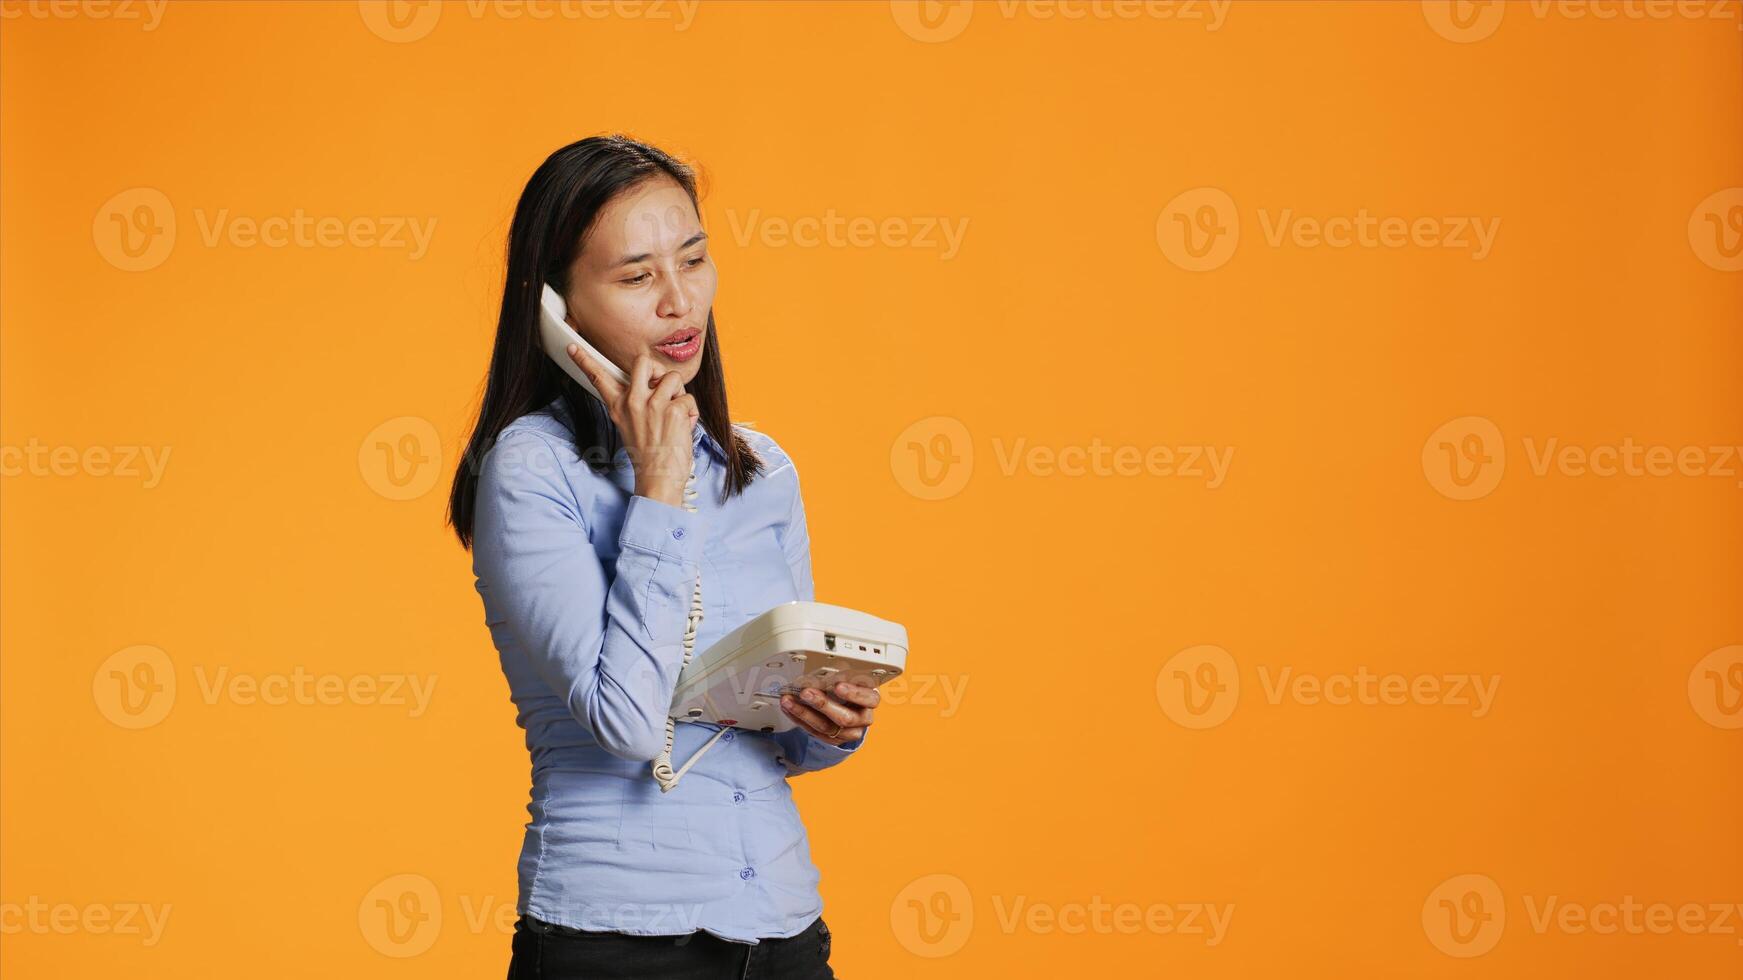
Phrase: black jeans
x=543 y=951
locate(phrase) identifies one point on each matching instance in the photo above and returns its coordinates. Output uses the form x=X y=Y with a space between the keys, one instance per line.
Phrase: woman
x=587 y=556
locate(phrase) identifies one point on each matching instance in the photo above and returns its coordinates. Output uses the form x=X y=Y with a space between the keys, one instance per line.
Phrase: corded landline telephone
x=739 y=680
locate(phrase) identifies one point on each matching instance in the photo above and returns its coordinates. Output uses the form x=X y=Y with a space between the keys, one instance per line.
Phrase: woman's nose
x=675 y=300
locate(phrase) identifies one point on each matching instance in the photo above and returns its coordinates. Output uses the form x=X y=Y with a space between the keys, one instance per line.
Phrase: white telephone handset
x=555 y=336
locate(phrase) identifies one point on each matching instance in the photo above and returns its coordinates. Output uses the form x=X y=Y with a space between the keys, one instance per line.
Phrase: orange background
x=1061 y=776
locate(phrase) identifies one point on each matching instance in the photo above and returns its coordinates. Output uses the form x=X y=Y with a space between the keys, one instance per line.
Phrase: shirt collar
x=700 y=436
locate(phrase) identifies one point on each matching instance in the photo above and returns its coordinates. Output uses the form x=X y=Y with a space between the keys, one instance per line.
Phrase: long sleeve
x=611 y=648
x=802 y=751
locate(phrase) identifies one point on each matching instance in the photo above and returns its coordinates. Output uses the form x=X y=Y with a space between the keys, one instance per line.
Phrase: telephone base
x=738 y=681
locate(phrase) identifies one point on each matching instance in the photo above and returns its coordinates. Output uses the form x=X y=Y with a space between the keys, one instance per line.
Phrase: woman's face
x=644 y=278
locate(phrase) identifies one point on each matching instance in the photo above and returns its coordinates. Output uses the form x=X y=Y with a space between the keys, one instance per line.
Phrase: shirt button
x=678 y=532
x=747 y=873
x=737 y=797
x=729 y=736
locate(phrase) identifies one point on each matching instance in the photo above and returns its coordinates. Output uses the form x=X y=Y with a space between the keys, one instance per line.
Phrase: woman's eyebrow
x=644 y=256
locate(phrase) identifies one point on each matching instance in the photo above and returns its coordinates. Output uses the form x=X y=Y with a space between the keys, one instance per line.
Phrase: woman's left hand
x=840 y=716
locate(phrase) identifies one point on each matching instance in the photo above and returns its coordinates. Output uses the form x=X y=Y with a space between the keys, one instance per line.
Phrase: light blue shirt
x=586 y=592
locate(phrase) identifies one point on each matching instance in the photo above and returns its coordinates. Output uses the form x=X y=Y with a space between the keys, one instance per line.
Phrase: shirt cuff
x=655 y=527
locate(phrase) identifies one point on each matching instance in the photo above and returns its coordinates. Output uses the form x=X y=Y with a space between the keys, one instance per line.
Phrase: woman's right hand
x=656 y=418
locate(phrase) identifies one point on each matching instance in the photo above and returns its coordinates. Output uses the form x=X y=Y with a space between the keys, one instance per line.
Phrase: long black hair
x=557 y=209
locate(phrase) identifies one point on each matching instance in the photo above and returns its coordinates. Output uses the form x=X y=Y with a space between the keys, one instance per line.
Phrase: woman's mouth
x=681 y=345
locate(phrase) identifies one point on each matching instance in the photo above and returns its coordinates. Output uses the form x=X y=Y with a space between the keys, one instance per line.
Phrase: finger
x=807 y=717
x=865 y=697
x=607 y=386
x=641 y=373
x=843 y=736
x=841 y=714
x=830 y=733
x=667 y=389
x=681 y=418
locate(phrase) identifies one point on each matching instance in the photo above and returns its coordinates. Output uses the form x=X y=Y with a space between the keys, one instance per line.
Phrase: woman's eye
x=644 y=277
